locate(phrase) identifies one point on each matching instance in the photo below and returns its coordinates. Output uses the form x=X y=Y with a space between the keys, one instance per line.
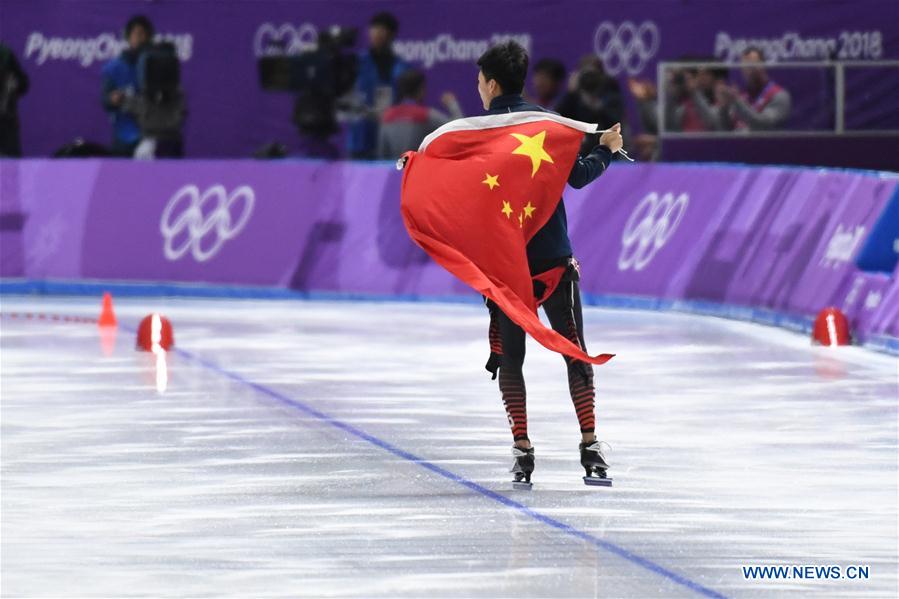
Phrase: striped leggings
x=563 y=309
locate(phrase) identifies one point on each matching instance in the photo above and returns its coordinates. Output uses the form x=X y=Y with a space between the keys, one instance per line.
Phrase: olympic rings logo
x=203 y=232
x=627 y=47
x=285 y=40
x=650 y=226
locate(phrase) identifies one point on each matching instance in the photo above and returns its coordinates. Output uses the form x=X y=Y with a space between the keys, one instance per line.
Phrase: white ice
x=733 y=445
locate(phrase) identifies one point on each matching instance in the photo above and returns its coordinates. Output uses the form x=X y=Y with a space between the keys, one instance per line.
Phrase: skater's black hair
x=139 y=21
x=507 y=64
x=387 y=21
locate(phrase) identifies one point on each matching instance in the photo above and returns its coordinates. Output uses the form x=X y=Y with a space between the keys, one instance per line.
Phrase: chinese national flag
x=478 y=190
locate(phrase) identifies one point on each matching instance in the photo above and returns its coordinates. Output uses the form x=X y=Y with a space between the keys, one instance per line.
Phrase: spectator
x=404 y=126
x=597 y=99
x=13 y=85
x=120 y=80
x=593 y=96
x=547 y=82
x=690 y=100
x=378 y=70
x=700 y=110
x=764 y=105
x=645 y=94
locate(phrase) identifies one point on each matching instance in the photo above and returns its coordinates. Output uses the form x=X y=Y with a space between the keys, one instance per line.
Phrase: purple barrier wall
x=62 y=45
x=777 y=238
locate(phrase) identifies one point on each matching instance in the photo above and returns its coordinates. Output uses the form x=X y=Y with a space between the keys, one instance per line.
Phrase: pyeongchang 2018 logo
x=201 y=222
x=86 y=51
x=285 y=39
x=650 y=226
x=445 y=47
x=626 y=48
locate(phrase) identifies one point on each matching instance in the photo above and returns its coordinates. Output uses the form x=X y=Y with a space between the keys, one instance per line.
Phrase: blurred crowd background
x=371 y=90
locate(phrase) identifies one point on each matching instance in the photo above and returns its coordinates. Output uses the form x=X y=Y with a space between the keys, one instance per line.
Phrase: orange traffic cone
x=831 y=328
x=107 y=316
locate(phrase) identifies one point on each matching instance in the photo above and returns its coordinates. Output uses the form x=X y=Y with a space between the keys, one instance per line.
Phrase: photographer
x=593 y=96
x=378 y=70
x=690 y=101
x=142 y=94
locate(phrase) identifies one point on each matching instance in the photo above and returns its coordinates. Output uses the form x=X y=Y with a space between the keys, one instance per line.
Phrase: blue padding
x=881 y=250
x=792 y=322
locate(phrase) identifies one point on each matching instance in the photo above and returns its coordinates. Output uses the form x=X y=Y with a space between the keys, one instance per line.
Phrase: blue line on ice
x=471 y=485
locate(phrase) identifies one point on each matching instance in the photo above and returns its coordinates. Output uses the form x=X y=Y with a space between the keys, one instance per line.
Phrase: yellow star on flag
x=507 y=209
x=529 y=211
x=532 y=147
x=491 y=181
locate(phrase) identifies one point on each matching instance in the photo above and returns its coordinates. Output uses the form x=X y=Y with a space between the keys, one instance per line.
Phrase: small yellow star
x=529 y=211
x=520 y=219
x=532 y=147
x=507 y=209
x=491 y=181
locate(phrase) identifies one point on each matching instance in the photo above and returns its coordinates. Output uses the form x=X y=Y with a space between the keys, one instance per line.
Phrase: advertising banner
x=777 y=238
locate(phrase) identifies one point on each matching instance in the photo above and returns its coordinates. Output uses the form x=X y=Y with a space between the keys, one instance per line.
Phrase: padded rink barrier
x=764 y=243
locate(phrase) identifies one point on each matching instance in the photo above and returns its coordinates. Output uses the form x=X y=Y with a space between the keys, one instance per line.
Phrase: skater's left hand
x=612 y=138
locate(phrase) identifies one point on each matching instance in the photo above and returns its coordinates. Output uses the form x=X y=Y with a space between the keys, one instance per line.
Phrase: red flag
x=478 y=190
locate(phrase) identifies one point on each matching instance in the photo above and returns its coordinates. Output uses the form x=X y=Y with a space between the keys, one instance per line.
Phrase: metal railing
x=839 y=98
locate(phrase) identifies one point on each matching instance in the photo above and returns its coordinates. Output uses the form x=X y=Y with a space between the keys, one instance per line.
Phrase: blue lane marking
x=471 y=485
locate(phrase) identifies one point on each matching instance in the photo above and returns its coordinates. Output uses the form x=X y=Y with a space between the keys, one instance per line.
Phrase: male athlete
x=503 y=69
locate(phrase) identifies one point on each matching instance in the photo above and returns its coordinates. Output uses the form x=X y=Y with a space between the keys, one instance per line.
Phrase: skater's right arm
x=595 y=163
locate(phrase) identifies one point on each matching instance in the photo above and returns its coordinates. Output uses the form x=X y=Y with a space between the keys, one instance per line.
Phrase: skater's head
x=503 y=69
x=382 y=30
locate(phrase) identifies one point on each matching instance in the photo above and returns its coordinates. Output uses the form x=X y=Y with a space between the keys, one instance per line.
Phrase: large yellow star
x=529 y=211
x=491 y=181
x=507 y=209
x=532 y=147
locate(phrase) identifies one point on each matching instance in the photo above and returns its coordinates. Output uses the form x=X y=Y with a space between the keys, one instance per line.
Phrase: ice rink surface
x=348 y=449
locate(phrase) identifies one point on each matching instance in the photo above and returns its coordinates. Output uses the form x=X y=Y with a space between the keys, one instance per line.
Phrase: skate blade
x=521 y=485
x=595 y=481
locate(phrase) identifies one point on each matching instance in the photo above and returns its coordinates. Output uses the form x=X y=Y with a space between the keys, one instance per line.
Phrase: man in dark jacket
x=500 y=82
x=13 y=85
x=594 y=98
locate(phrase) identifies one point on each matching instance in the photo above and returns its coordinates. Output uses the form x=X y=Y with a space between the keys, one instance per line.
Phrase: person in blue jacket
x=120 y=80
x=378 y=71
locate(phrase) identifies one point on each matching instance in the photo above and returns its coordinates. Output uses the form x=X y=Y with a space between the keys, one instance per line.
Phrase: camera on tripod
x=321 y=77
x=159 y=71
